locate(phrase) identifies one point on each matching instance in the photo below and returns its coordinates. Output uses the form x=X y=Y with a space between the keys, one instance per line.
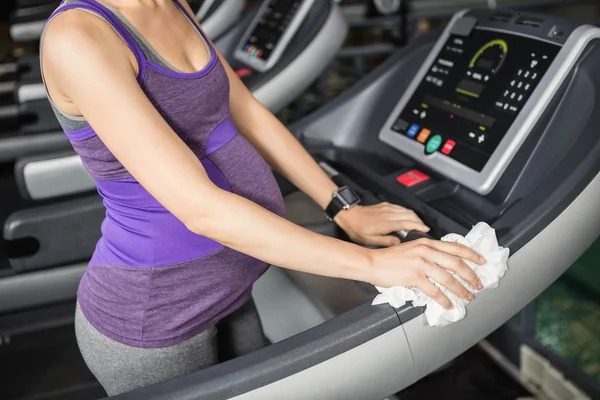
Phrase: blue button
x=412 y=131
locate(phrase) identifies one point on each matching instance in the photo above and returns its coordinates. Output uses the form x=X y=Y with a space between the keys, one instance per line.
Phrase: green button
x=434 y=143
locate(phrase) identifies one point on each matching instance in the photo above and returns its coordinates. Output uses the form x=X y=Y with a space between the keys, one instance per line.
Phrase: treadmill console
x=474 y=101
x=271 y=32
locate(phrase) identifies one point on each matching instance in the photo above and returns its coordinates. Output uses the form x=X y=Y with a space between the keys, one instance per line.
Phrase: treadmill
x=272 y=48
x=462 y=125
x=218 y=16
x=441 y=110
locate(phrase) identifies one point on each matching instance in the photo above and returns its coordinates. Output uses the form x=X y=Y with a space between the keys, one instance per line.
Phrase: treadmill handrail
x=274 y=362
x=52 y=175
x=216 y=19
x=13 y=147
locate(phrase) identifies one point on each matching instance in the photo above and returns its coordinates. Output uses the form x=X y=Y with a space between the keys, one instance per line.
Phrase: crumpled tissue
x=482 y=239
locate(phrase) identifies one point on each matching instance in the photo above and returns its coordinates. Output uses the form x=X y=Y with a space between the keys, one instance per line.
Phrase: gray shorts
x=120 y=368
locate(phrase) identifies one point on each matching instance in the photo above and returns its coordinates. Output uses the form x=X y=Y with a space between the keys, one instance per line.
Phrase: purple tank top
x=151 y=282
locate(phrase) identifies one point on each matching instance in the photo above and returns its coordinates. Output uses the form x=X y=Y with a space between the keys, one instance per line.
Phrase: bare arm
x=143 y=142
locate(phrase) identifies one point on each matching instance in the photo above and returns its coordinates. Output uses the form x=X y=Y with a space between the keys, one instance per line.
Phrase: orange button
x=423 y=135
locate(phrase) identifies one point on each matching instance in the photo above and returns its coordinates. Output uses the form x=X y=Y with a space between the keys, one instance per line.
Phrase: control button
x=499 y=104
x=429 y=78
x=512 y=95
x=481 y=138
x=400 y=125
x=477 y=76
x=486 y=78
x=448 y=146
x=506 y=92
x=533 y=63
x=445 y=63
x=439 y=82
x=472 y=136
x=423 y=135
x=415 y=111
x=545 y=57
x=505 y=106
x=243 y=72
x=433 y=144
x=412 y=131
x=520 y=98
x=527 y=87
x=519 y=85
x=555 y=32
x=469 y=73
x=513 y=109
x=526 y=74
x=412 y=177
x=520 y=72
x=534 y=76
x=423 y=114
x=513 y=83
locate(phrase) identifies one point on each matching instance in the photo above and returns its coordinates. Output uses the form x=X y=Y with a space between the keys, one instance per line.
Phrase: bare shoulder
x=76 y=36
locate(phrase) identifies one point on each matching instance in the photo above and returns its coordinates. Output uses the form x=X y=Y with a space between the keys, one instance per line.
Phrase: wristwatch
x=343 y=199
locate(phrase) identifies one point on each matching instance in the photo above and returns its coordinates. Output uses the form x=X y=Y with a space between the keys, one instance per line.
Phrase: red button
x=412 y=177
x=448 y=146
x=243 y=72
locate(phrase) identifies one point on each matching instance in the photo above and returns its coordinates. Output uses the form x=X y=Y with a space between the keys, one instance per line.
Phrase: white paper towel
x=482 y=239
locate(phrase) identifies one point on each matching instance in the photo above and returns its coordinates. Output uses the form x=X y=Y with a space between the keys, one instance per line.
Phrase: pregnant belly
x=248 y=174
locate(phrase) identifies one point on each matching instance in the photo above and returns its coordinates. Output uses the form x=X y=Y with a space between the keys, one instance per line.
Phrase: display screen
x=472 y=94
x=274 y=20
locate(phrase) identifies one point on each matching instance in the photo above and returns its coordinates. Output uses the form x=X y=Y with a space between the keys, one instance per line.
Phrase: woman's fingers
x=393 y=218
x=456 y=264
x=381 y=241
x=445 y=279
x=457 y=250
x=434 y=293
x=403 y=225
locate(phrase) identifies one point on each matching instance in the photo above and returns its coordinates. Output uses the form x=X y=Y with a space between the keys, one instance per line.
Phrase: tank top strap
x=194 y=23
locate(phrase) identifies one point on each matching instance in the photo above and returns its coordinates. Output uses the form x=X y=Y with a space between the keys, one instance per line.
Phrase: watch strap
x=339 y=202
x=334 y=207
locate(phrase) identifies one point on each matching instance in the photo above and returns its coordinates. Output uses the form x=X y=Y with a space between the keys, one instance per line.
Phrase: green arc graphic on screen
x=497 y=42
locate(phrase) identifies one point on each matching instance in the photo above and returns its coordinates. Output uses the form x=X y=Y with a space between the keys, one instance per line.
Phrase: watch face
x=348 y=195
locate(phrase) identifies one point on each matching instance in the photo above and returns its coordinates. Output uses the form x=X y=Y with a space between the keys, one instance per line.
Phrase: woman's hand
x=372 y=225
x=411 y=265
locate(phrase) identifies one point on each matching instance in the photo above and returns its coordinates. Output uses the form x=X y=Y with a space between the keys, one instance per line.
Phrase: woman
x=176 y=144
